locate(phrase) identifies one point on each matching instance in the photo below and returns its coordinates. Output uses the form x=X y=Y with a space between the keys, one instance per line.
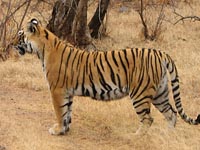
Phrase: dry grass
x=26 y=111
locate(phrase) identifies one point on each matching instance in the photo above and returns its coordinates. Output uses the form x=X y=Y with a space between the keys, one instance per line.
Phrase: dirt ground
x=26 y=116
x=26 y=111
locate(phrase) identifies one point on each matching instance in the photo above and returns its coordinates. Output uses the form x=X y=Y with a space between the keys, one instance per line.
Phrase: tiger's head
x=19 y=43
x=33 y=39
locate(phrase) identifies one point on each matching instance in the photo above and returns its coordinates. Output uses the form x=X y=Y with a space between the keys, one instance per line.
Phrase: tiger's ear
x=32 y=26
x=34 y=21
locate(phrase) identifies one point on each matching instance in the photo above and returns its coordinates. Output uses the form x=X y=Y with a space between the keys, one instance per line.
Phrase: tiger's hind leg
x=142 y=106
x=161 y=102
x=63 y=107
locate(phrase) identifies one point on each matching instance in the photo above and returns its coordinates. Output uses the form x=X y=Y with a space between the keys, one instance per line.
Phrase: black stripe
x=136 y=106
x=145 y=87
x=64 y=113
x=176 y=95
x=175 y=80
x=179 y=105
x=155 y=66
x=146 y=111
x=112 y=74
x=102 y=80
x=67 y=60
x=50 y=86
x=58 y=78
x=140 y=79
x=31 y=48
x=78 y=63
x=67 y=104
x=102 y=93
x=55 y=41
x=82 y=56
x=87 y=58
x=43 y=53
x=74 y=59
x=72 y=67
x=161 y=103
x=87 y=93
x=83 y=78
x=90 y=75
x=141 y=99
x=172 y=70
x=160 y=63
x=66 y=66
x=93 y=87
x=100 y=59
x=136 y=51
x=133 y=66
x=180 y=111
x=175 y=88
x=114 y=59
x=119 y=82
x=178 y=102
x=58 y=45
x=47 y=73
x=133 y=55
x=161 y=54
x=95 y=57
x=142 y=57
x=38 y=55
x=83 y=82
x=148 y=60
x=125 y=55
x=78 y=68
x=152 y=68
x=166 y=109
x=165 y=91
x=124 y=67
x=46 y=34
x=67 y=121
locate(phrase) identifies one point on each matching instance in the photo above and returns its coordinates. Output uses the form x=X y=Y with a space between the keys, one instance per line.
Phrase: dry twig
x=182 y=18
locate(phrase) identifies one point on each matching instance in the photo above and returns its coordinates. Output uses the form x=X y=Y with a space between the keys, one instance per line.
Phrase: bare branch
x=182 y=18
x=12 y=13
x=25 y=12
x=159 y=20
x=141 y=13
x=150 y=30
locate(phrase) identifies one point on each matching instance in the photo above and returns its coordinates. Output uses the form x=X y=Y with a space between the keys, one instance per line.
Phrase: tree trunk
x=80 y=31
x=69 y=21
x=62 y=18
x=97 y=19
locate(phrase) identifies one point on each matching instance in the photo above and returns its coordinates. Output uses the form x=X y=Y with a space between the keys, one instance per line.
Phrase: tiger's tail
x=176 y=92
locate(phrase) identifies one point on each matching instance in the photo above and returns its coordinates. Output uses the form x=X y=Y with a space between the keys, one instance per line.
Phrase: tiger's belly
x=101 y=93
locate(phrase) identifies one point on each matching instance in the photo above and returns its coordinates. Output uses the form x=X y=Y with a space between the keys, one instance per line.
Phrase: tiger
x=142 y=74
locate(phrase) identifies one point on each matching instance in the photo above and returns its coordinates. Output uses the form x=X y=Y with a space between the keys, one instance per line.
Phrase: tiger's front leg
x=63 y=106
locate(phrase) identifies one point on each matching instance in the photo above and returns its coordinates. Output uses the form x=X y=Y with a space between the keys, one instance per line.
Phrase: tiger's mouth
x=21 y=49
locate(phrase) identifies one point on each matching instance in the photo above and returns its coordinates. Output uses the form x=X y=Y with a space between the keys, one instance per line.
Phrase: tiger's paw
x=144 y=127
x=58 y=130
x=141 y=131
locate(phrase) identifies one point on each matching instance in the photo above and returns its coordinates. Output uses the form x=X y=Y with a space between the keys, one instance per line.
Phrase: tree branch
x=194 y=18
